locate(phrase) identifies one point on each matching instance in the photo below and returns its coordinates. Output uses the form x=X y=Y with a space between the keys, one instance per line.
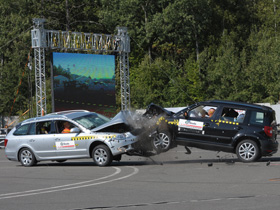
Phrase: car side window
x=233 y=114
x=32 y=130
x=202 y=111
x=22 y=130
x=257 y=118
x=43 y=127
x=63 y=126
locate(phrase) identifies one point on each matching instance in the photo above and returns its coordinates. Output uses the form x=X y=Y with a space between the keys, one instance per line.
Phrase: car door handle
x=57 y=139
x=32 y=140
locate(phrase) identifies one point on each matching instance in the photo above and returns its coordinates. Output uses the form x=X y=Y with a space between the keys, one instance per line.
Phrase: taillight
x=5 y=142
x=268 y=131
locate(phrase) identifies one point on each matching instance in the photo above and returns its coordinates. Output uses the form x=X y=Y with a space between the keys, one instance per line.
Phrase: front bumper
x=122 y=146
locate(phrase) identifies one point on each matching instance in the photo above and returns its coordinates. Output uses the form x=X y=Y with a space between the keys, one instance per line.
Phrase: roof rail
x=67 y=112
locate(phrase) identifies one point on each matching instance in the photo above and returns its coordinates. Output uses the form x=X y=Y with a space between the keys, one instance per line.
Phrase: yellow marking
x=226 y=122
x=176 y=122
x=160 y=119
x=93 y=137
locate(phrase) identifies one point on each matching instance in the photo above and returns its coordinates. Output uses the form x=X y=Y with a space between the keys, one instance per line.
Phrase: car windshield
x=92 y=120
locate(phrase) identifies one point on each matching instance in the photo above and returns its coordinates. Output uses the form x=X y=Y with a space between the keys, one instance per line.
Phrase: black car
x=248 y=130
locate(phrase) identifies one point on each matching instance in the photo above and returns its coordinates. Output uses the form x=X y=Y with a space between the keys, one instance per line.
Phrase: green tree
x=151 y=82
x=183 y=28
x=226 y=79
x=15 y=44
x=264 y=68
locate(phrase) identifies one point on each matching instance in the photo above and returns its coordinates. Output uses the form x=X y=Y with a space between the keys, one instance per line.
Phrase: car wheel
x=162 y=141
x=27 y=157
x=102 y=155
x=248 y=151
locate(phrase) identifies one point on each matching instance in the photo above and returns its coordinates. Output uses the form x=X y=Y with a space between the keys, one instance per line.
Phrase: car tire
x=102 y=155
x=27 y=158
x=248 y=151
x=162 y=141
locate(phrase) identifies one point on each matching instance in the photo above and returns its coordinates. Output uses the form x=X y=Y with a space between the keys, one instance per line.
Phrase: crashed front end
x=121 y=133
x=134 y=132
x=121 y=143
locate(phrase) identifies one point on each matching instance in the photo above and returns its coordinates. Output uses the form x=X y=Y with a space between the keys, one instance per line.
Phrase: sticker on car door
x=62 y=145
x=191 y=124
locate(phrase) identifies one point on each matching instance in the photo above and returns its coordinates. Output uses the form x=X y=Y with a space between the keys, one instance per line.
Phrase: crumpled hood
x=154 y=109
x=121 y=118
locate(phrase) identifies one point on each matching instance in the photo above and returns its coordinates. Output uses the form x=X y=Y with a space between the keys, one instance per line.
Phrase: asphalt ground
x=172 y=180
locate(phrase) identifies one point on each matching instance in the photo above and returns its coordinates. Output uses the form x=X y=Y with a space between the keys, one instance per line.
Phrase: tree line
x=182 y=51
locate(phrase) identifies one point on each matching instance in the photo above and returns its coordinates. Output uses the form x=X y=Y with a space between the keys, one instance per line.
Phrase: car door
x=41 y=142
x=67 y=146
x=229 y=123
x=197 y=127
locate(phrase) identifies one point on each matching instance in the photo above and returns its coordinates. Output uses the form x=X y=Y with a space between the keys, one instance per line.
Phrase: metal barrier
x=1 y=143
x=3 y=134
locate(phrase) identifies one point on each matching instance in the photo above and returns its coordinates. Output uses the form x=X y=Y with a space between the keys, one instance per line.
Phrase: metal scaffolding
x=124 y=69
x=39 y=57
x=66 y=40
x=40 y=81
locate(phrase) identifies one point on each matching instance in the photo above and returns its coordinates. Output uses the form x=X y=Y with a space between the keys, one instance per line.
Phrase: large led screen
x=84 y=81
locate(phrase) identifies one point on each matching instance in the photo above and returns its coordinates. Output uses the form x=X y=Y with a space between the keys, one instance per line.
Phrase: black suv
x=248 y=130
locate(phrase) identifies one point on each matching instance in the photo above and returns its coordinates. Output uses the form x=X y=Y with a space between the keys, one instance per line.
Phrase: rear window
x=257 y=118
x=22 y=130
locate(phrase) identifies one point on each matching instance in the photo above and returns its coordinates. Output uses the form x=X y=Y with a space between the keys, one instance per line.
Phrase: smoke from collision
x=144 y=126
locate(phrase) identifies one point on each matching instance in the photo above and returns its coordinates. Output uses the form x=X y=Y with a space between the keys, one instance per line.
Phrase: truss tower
x=43 y=39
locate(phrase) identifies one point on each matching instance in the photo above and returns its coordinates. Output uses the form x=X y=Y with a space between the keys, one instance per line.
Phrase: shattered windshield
x=92 y=120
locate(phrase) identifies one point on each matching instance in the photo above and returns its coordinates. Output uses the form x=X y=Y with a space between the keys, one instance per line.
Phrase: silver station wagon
x=70 y=135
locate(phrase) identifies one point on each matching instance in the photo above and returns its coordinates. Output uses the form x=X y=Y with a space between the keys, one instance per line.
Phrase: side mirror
x=75 y=130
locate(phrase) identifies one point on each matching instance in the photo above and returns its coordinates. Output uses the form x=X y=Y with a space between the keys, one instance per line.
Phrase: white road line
x=66 y=187
x=118 y=170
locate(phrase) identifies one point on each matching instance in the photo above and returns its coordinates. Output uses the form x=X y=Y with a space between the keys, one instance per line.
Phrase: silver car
x=90 y=135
